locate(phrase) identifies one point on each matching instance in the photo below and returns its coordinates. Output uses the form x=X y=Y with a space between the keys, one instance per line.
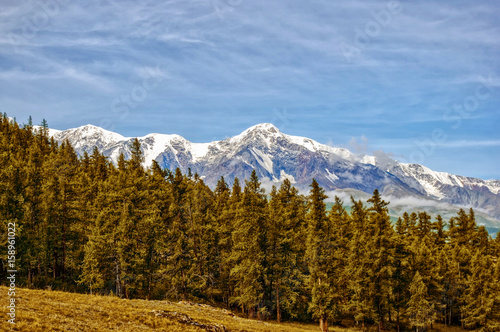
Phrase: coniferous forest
x=86 y=225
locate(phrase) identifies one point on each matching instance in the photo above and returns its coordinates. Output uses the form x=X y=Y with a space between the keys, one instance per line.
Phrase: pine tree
x=424 y=225
x=481 y=294
x=224 y=228
x=420 y=311
x=359 y=270
x=204 y=237
x=424 y=260
x=156 y=225
x=341 y=232
x=286 y=230
x=463 y=228
x=179 y=272
x=92 y=272
x=440 y=236
x=461 y=258
x=250 y=249
x=318 y=254
x=401 y=277
x=380 y=249
x=493 y=318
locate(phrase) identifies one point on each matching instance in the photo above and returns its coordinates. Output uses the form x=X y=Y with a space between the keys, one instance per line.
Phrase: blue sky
x=420 y=81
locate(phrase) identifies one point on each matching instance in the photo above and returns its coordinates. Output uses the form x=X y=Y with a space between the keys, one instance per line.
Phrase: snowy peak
x=263 y=131
x=270 y=135
x=276 y=156
x=493 y=186
x=89 y=135
x=431 y=181
x=262 y=127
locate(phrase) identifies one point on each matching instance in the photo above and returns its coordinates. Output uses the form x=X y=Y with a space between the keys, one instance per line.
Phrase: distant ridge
x=276 y=156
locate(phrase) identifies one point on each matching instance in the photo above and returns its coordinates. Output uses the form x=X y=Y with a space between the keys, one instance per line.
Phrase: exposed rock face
x=276 y=156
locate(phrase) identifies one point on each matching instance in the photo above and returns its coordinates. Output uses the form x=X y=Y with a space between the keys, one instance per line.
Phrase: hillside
x=43 y=310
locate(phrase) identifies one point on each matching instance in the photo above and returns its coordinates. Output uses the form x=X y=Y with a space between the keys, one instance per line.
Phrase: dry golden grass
x=39 y=310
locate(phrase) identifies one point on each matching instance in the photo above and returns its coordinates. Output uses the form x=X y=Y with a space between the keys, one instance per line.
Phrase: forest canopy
x=86 y=225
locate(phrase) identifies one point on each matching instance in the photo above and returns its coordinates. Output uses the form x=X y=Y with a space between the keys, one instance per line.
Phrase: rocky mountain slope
x=276 y=156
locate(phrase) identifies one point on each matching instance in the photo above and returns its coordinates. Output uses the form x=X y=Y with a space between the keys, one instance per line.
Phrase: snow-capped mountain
x=276 y=156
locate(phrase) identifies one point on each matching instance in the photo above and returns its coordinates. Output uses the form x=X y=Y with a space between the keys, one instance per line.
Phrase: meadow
x=45 y=310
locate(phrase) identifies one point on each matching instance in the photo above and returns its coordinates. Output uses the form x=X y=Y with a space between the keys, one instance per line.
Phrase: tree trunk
x=183 y=285
x=323 y=324
x=381 y=320
x=278 y=311
x=54 y=265
x=125 y=290
x=149 y=285
x=449 y=320
x=63 y=267
x=397 y=321
x=117 y=280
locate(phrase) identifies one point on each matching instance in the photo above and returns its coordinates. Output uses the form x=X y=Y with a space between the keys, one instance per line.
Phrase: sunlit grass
x=41 y=310
x=38 y=310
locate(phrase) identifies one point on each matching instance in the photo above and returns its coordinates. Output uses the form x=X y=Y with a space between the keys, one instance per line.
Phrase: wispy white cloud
x=246 y=58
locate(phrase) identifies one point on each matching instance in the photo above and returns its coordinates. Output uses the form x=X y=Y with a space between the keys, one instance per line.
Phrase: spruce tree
x=358 y=271
x=425 y=260
x=250 y=249
x=402 y=276
x=341 y=232
x=419 y=311
x=224 y=229
x=318 y=257
x=179 y=272
x=286 y=231
x=481 y=294
x=380 y=249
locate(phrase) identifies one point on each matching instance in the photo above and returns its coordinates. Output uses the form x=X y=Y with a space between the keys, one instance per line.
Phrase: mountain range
x=276 y=156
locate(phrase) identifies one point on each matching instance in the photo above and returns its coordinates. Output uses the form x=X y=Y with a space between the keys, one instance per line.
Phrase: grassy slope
x=39 y=310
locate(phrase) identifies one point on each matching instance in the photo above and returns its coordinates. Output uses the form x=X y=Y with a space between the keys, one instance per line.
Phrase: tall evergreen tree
x=481 y=295
x=223 y=217
x=286 y=230
x=319 y=244
x=358 y=270
x=380 y=248
x=180 y=273
x=420 y=311
x=401 y=276
x=250 y=249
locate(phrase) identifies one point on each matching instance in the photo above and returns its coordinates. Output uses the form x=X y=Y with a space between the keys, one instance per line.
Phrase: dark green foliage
x=250 y=248
x=420 y=311
x=287 y=228
x=86 y=225
x=319 y=257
